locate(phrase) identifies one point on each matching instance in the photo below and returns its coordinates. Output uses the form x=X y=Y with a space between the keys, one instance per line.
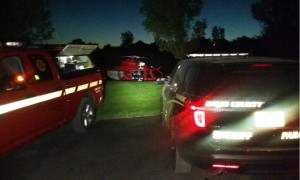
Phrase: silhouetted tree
x=222 y=33
x=169 y=22
x=218 y=33
x=244 y=44
x=215 y=33
x=202 y=45
x=198 y=42
x=199 y=29
x=77 y=41
x=127 y=38
x=26 y=21
x=280 y=26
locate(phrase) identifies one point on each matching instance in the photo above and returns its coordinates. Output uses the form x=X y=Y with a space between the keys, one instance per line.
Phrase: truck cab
x=39 y=92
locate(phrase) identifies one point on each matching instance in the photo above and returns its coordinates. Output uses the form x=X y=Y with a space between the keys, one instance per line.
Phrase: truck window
x=68 y=64
x=73 y=66
x=10 y=67
x=42 y=71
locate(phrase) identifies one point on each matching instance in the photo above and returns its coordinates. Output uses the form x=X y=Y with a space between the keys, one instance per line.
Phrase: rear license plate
x=269 y=119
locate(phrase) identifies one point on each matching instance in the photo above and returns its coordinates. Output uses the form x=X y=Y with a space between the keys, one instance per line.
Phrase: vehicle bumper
x=249 y=162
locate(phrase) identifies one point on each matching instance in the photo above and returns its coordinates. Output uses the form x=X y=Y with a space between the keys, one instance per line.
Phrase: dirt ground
x=137 y=148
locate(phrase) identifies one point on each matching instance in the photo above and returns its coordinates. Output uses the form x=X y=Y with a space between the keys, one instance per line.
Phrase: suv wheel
x=85 y=116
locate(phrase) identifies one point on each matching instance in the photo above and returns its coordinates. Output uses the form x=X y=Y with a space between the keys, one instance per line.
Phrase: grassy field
x=125 y=99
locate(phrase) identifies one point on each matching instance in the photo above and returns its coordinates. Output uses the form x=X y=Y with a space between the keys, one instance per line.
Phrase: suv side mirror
x=168 y=77
x=163 y=80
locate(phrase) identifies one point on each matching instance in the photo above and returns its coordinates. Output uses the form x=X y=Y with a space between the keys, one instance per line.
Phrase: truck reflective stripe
x=28 y=102
x=45 y=97
x=82 y=87
x=93 y=84
x=70 y=90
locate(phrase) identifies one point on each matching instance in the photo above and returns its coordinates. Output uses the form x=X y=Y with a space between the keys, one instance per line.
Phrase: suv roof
x=214 y=70
x=237 y=59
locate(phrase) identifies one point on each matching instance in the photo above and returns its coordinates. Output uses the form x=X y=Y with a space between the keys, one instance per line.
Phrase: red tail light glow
x=262 y=65
x=193 y=107
x=226 y=166
x=199 y=117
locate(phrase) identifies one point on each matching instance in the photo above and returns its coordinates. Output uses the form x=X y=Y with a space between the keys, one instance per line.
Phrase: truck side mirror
x=13 y=83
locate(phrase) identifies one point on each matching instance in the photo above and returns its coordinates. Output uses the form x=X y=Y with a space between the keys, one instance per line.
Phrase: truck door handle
x=66 y=84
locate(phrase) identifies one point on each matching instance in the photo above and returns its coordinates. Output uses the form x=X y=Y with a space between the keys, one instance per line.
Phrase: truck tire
x=85 y=116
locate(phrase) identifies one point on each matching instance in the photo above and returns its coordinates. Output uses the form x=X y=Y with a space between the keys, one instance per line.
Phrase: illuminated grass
x=125 y=99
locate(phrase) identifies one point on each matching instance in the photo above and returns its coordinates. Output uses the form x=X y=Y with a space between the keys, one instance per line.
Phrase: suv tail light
x=198 y=112
x=199 y=117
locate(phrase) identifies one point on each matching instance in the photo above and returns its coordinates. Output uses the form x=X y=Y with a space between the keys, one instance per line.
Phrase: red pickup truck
x=40 y=92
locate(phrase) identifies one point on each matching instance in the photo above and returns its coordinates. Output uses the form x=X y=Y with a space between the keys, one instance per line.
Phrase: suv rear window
x=232 y=80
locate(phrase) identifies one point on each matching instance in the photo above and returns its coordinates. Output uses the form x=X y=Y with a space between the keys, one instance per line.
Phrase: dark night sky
x=103 y=21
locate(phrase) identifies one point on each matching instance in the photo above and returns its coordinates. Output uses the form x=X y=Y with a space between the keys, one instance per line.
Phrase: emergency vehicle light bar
x=217 y=55
x=14 y=44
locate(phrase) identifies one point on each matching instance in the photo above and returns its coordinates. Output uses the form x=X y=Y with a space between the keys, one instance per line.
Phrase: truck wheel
x=85 y=116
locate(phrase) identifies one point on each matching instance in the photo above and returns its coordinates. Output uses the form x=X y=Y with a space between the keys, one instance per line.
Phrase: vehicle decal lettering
x=232 y=135
x=234 y=104
x=97 y=90
x=290 y=135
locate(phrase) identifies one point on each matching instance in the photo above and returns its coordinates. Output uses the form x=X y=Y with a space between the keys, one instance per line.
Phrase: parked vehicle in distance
x=233 y=113
x=39 y=92
x=132 y=68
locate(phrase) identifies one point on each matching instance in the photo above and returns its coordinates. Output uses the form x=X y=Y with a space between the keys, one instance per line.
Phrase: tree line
x=173 y=25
